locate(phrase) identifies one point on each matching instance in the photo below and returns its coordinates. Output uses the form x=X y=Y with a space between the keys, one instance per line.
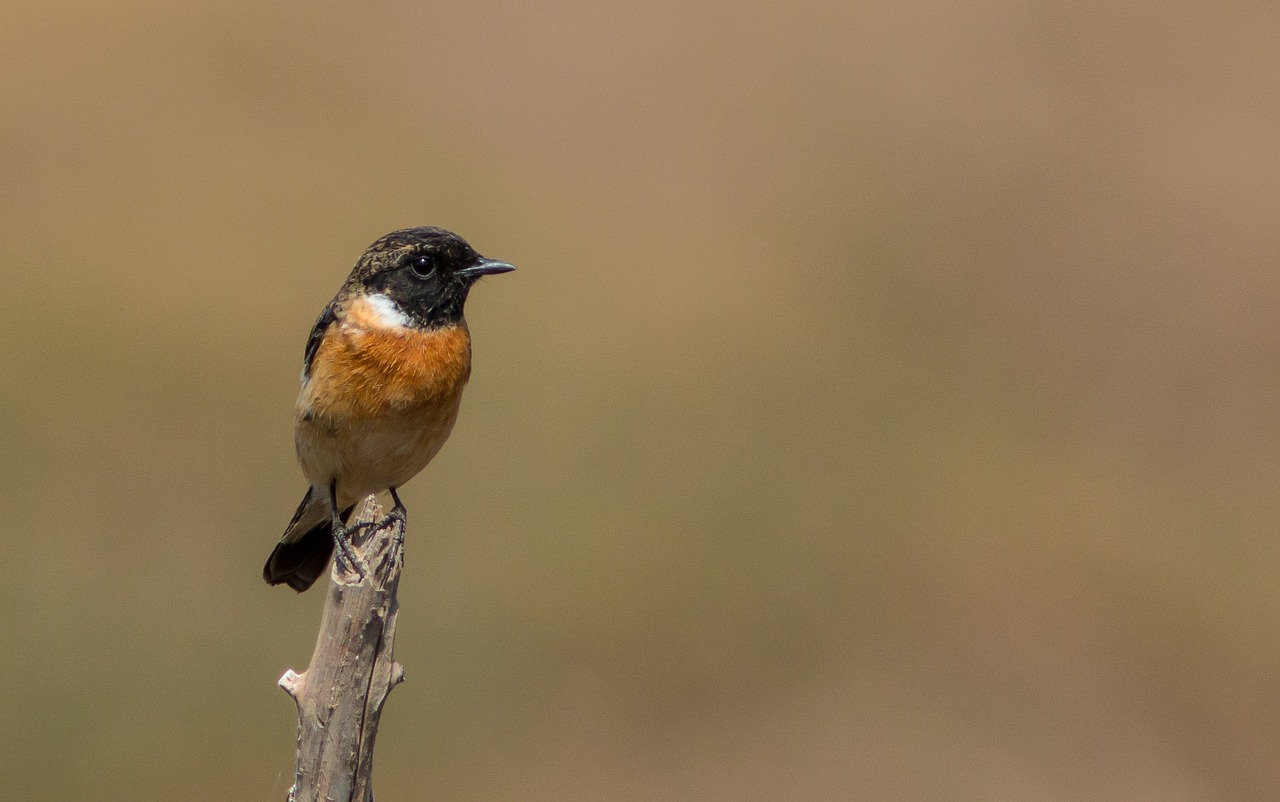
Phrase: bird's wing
x=326 y=319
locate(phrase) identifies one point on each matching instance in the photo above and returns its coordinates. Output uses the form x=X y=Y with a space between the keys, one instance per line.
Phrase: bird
x=382 y=379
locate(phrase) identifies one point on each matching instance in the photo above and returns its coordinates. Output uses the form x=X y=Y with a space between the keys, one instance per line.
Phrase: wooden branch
x=340 y=696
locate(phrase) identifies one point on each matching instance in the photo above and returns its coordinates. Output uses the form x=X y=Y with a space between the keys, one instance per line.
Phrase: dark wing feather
x=326 y=319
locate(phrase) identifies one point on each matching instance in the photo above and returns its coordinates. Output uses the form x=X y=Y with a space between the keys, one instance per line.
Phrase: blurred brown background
x=884 y=408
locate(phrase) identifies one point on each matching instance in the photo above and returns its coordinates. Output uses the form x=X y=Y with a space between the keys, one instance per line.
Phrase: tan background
x=884 y=408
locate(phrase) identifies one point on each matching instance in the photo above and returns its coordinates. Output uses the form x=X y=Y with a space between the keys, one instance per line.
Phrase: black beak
x=486 y=267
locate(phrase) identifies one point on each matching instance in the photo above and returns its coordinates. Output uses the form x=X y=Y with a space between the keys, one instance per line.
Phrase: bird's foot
x=343 y=556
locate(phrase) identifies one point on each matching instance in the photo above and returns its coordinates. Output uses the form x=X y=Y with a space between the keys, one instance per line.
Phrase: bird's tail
x=303 y=552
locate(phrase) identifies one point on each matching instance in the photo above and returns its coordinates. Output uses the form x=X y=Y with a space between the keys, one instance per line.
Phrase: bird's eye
x=422 y=266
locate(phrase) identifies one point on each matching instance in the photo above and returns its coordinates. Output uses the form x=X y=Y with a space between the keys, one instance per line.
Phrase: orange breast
x=367 y=371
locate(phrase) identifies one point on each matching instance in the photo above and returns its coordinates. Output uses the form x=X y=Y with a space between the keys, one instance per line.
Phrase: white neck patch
x=386 y=313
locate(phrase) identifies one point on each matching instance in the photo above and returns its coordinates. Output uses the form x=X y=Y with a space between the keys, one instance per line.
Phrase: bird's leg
x=343 y=555
x=398 y=514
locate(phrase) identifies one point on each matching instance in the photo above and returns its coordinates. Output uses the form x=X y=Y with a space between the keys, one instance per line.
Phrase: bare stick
x=340 y=696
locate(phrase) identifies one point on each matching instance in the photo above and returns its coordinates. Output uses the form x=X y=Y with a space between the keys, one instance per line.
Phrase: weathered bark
x=340 y=696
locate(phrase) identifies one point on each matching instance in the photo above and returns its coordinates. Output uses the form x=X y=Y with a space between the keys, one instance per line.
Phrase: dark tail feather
x=300 y=563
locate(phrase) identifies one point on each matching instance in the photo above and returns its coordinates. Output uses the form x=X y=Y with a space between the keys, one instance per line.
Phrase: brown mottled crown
x=420 y=236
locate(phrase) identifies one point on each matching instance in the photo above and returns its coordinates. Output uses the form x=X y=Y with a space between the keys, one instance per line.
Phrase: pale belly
x=373 y=453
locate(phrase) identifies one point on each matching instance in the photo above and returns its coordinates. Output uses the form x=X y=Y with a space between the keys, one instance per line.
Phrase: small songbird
x=382 y=379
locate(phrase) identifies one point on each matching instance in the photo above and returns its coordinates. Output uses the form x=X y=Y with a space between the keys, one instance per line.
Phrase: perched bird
x=382 y=379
